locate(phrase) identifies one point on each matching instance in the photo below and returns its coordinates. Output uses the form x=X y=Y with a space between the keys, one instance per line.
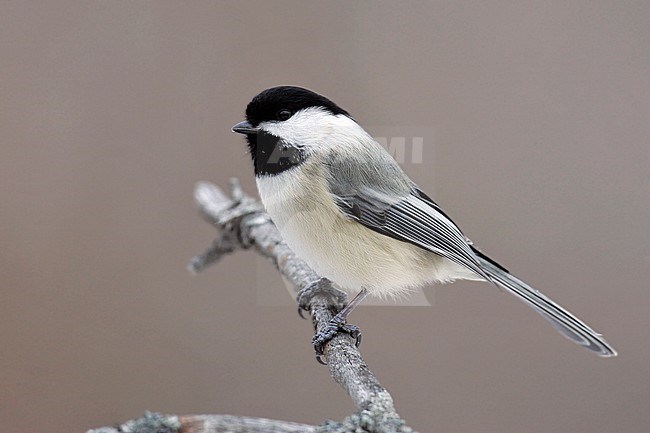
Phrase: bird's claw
x=322 y=285
x=331 y=330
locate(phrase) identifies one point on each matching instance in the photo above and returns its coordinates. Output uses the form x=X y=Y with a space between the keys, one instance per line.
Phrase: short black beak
x=244 y=128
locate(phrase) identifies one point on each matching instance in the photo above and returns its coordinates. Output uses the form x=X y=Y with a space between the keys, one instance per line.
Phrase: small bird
x=345 y=207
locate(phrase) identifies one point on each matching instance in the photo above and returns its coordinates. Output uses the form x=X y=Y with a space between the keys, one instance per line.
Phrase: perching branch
x=243 y=223
x=157 y=423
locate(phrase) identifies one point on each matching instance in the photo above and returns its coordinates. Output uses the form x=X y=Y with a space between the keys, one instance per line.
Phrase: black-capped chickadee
x=345 y=206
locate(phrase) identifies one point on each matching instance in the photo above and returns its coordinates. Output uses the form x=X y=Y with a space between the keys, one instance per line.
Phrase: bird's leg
x=339 y=324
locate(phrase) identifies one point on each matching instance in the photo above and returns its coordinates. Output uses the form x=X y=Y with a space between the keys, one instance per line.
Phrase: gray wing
x=416 y=219
x=409 y=216
x=370 y=188
x=383 y=199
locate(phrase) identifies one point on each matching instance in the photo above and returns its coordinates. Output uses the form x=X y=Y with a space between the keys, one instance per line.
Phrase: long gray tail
x=566 y=323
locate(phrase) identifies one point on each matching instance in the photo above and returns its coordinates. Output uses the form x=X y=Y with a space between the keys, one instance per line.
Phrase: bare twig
x=243 y=223
x=158 y=423
x=240 y=424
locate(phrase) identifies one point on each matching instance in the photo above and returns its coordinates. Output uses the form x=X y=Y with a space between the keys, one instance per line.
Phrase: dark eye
x=283 y=114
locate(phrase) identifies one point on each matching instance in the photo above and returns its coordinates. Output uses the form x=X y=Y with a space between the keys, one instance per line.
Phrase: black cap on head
x=273 y=104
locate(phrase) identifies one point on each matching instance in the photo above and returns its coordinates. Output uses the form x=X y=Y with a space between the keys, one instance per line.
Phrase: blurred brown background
x=111 y=111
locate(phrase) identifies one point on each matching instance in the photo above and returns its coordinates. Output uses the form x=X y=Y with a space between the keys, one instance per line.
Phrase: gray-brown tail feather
x=566 y=323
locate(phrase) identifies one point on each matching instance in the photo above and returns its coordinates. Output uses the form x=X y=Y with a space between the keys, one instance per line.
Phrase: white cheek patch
x=302 y=128
x=316 y=128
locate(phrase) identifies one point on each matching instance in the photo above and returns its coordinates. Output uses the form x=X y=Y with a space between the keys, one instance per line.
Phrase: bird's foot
x=335 y=326
x=318 y=287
